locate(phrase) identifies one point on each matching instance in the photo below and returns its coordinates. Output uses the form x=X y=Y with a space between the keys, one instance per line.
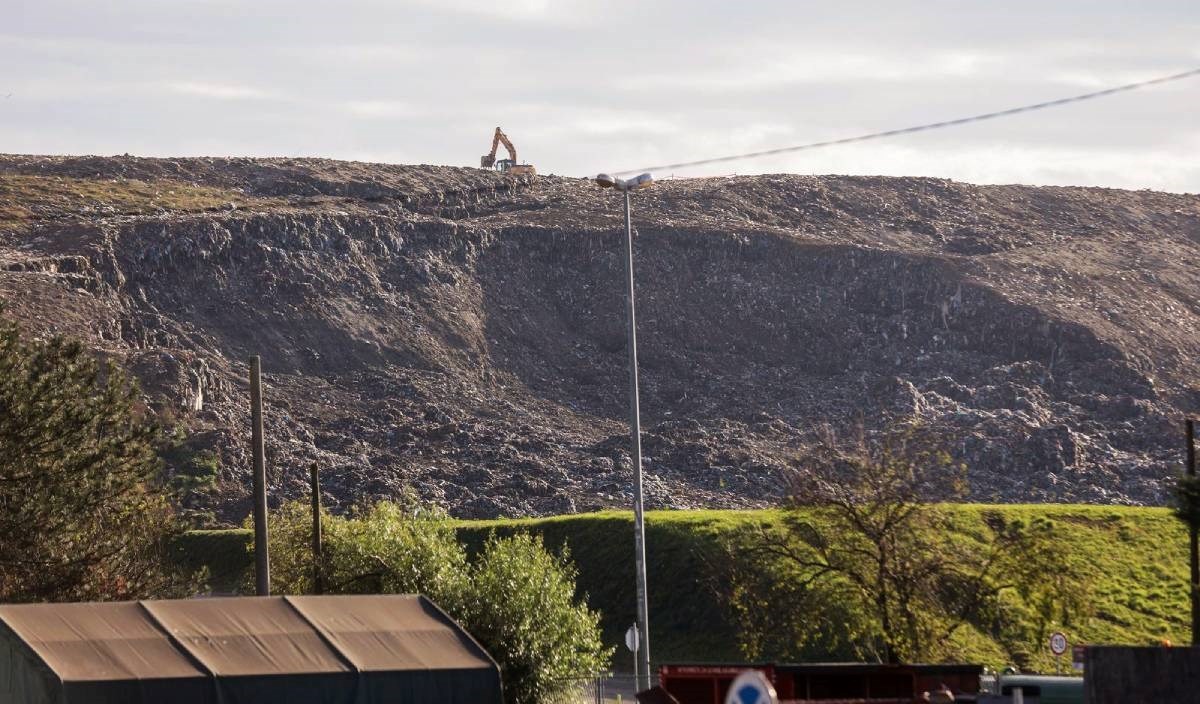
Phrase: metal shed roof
x=329 y=649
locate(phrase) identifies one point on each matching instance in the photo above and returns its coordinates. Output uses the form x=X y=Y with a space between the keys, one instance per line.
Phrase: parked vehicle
x=810 y=683
x=1035 y=689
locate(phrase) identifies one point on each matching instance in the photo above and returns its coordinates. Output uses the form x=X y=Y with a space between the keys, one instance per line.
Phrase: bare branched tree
x=865 y=528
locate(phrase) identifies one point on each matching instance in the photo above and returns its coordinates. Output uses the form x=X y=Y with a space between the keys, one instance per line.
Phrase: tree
x=522 y=598
x=1186 y=500
x=866 y=543
x=516 y=598
x=81 y=509
x=1186 y=508
x=781 y=613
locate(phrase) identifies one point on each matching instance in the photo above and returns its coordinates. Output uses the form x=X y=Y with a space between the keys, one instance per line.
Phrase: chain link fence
x=603 y=688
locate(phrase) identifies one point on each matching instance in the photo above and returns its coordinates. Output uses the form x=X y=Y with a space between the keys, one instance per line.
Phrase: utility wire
x=920 y=128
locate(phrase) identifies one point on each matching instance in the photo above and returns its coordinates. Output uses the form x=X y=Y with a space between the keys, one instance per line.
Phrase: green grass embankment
x=1137 y=558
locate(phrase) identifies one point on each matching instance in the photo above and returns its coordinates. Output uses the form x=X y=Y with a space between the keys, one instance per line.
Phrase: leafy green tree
x=82 y=513
x=522 y=600
x=515 y=598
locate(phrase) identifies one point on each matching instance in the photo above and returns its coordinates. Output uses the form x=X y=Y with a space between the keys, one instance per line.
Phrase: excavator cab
x=507 y=166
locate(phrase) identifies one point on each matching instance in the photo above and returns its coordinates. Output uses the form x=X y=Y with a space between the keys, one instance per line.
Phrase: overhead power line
x=919 y=128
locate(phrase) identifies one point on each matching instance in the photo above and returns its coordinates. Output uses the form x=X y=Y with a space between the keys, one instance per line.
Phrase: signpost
x=751 y=687
x=1058 y=646
x=632 y=639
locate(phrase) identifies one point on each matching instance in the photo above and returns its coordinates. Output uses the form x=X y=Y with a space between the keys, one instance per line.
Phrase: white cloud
x=380 y=109
x=1160 y=169
x=767 y=67
x=218 y=91
x=548 y=11
x=583 y=86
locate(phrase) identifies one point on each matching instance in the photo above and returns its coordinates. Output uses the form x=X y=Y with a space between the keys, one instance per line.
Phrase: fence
x=603 y=688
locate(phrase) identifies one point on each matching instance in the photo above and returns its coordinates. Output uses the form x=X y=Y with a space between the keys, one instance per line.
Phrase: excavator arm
x=509 y=165
x=489 y=160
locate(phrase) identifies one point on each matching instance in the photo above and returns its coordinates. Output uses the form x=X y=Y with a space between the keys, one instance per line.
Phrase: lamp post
x=635 y=425
x=1193 y=537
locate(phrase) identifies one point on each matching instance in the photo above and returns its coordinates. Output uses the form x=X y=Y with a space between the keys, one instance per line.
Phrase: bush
x=192 y=472
x=522 y=597
x=516 y=598
x=384 y=549
x=191 y=476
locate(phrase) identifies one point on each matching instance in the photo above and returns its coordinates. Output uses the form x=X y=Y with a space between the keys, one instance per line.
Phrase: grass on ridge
x=25 y=199
x=1136 y=556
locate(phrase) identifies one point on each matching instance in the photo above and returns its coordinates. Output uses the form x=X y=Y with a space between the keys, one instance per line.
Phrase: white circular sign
x=751 y=687
x=1058 y=643
x=632 y=638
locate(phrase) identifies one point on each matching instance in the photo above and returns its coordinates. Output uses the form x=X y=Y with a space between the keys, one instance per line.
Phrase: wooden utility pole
x=262 y=561
x=318 y=582
x=1194 y=546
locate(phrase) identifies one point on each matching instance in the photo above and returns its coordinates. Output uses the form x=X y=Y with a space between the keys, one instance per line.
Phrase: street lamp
x=635 y=424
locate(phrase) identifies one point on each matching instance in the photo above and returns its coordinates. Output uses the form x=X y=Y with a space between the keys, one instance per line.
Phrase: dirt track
x=462 y=334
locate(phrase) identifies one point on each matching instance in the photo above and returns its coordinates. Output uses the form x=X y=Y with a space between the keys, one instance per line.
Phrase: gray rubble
x=460 y=334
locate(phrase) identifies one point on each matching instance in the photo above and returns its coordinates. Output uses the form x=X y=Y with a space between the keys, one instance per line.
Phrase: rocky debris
x=461 y=334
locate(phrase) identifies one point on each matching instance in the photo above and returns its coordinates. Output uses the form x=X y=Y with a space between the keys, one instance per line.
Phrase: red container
x=826 y=683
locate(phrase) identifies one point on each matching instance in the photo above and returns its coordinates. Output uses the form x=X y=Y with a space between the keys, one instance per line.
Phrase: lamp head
x=640 y=181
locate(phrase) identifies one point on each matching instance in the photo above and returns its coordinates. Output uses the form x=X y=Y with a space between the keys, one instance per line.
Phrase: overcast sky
x=583 y=87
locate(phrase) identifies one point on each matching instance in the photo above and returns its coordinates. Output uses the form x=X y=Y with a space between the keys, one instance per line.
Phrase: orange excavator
x=509 y=165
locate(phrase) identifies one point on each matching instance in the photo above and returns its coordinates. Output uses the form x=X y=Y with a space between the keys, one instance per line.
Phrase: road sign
x=632 y=638
x=1058 y=644
x=751 y=687
x=1077 y=657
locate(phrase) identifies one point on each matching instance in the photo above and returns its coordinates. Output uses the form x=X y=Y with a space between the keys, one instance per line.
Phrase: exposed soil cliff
x=462 y=334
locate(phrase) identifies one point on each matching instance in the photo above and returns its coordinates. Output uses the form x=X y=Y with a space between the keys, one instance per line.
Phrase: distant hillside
x=462 y=334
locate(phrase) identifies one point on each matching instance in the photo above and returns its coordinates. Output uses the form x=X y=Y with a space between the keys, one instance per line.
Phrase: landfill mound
x=459 y=334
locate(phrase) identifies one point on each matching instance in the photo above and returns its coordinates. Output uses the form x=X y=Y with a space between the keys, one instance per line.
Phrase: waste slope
x=460 y=334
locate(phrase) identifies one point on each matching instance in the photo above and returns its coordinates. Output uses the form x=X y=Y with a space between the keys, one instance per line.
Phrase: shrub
x=383 y=549
x=516 y=599
x=190 y=471
x=522 y=597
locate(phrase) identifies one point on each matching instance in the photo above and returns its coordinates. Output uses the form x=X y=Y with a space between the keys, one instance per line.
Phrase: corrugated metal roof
x=354 y=649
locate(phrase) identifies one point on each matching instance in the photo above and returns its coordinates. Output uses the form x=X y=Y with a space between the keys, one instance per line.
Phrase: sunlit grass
x=1137 y=558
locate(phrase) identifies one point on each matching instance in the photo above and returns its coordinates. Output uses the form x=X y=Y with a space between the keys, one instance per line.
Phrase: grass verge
x=1137 y=558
